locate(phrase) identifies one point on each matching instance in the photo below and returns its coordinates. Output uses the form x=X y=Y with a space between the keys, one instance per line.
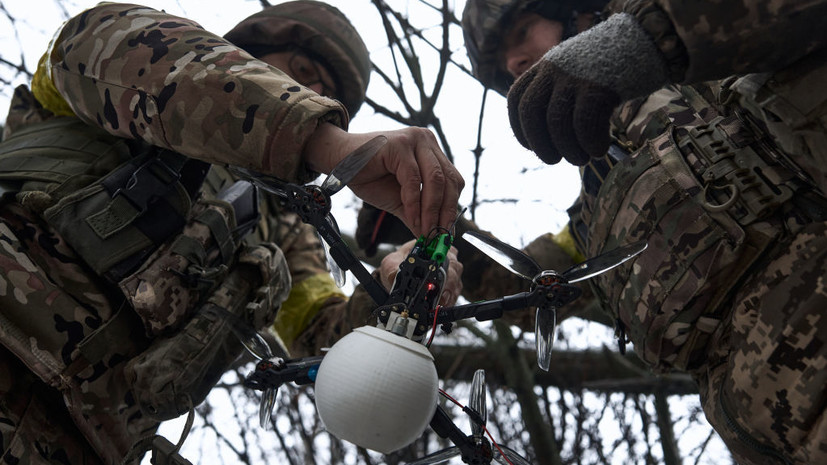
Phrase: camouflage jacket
x=774 y=48
x=721 y=39
x=675 y=294
x=675 y=184
x=226 y=108
x=140 y=73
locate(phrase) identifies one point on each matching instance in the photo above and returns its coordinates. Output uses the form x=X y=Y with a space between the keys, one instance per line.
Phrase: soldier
x=122 y=250
x=700 y=128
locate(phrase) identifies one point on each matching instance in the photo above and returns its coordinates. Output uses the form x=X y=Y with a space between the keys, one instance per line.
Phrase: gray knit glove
x=562 y=105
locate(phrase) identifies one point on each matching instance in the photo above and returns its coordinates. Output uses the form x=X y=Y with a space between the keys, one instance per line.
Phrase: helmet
x=485 y=22
x=320 y=29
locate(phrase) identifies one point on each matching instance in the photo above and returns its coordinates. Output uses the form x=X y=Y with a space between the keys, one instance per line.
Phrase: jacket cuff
x=654 y=20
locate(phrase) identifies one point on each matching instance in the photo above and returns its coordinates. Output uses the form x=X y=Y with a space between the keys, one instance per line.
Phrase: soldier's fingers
x=591 y=119
x=454 y=183
x=534 y=108
x=423 y=182
x=561 y=122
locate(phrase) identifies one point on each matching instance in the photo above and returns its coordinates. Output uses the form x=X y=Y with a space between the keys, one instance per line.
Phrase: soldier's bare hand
x=452 y=287
x=410 y=177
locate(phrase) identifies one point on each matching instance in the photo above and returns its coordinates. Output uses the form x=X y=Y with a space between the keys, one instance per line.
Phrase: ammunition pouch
x=182 y=271
x=184 y=366
x=113 y=200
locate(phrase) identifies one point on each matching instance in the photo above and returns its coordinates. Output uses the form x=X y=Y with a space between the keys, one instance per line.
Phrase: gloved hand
x=561 y=106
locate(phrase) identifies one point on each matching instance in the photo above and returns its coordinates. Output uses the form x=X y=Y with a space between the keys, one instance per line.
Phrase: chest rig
x=114 y=200
x=713 y=197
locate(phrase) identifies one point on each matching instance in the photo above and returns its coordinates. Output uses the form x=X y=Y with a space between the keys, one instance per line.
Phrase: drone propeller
x=339 y=177
x=602 y=263
x=477 y=401
x=513 y=259
x=339 y=276
x=258 y=348
x=313 y=202
x=522 y=265
x=351 y=165
x=477 y=449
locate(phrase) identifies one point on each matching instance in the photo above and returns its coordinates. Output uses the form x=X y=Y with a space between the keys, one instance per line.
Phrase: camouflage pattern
x=164 y=291
x=744 y=37
x=178 y=370
x=791 y=104
x=320 y=29
x=679 y=300
x=763 y=387
x=63 y=349
x=733 y=298
x=41 y=271
x=158 y=72
x=35 y=427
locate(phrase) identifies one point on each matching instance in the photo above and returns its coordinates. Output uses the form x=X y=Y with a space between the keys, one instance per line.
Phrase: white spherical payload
x=377 y=389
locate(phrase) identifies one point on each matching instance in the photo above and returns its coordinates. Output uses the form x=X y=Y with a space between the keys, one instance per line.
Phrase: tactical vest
x=138 y=218
x=713 y=196
x=114 y=200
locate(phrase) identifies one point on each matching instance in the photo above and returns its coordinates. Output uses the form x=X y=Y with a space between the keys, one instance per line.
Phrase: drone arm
x=347 y=261
x=490 y=309
x=272 y=375
x=443 y=426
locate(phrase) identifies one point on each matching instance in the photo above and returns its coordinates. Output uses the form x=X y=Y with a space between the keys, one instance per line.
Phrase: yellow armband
x=303 y=303
x=45 y=92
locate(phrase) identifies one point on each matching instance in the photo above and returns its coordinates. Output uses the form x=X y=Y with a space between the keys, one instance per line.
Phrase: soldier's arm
x=712 y=40
x=141 y=73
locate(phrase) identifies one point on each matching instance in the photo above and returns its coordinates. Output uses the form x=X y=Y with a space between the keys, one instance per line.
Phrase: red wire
x=433 y=327
x=377 y=226
x=505 y=457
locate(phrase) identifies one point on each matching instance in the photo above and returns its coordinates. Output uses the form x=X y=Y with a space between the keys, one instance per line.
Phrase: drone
x=410 y=309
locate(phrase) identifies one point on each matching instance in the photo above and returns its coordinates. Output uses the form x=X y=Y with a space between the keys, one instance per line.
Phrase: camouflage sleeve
x=731 y=37
x=141 y=73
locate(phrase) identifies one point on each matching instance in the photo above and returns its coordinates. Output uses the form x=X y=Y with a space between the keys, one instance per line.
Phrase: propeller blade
x=344 y=172
x=339 y=276
x=256 y=345
x=513 y=457
x=336 y=271
x=269 y=183
x=250 y=339
x=602 y=263
x=265 y=411
x=478 y=403
x=513 y=259
x=441 y=456
x=544 y=332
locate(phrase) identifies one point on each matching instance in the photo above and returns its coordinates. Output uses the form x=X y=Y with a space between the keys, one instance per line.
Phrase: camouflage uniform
x=726 y=181
x=71 y=398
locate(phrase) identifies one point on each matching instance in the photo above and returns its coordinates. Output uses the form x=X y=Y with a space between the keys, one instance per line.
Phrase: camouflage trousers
x=35 y=427
x=765 y=387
